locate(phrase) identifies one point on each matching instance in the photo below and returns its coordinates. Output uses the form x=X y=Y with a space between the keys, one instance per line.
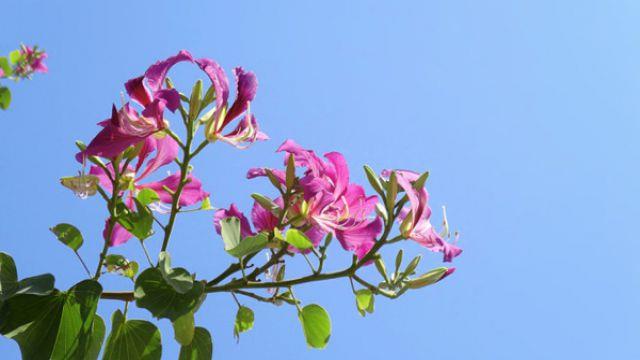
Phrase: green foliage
x=316 y=325
x=298 y=239
x=184 y=328
x=10 y=286
x=68 y=235
x=244 y=321
x=132 y=340
x=364 y=301
x=201 y=347
x=147 y=196
x=230 y=230
x=118 y=264
x=154 y=293
x=139 y=223
x=58 y=325
x=179 y=278
x=5 y=97
x=5 y=66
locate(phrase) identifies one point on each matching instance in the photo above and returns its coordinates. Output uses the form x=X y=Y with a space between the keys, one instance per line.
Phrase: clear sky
x=525 y=113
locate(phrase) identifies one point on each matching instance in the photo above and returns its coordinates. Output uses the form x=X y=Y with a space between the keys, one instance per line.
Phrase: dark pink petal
x=103 y=178
x=171 y=97
x=263 y=220
x=340 y=175
x=259 y=172
x=191 y=193
x=119 y=234
x=218 y=78
x=245 y=227
x=316 y=235
x=449 y=271
x=245 y=133
x=157 y=72
x=360 y=238
x=137 y=91
x=247 y=85
x=166 y=151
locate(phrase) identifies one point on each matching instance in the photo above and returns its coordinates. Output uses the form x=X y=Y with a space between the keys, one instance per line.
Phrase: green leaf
x=178 y=278
x=4 y=65
x=132 y=340
x=58 y=325
x=8 y=276
x=68 y=235
x=316 y=325
x=96 y=338
x=147 y=196
x=118 y=264
x=9 y=286
x=152 y=292
x=184 y=329
x=364 y=301
x=5 y=97
x=230 y=231
x=298 y=239
x=15 y=56
x=206 y=204
x=201 y=348
x=250 y=245
x=244 y=321
x=429 y=278
x=139 y=223
x=36 y=285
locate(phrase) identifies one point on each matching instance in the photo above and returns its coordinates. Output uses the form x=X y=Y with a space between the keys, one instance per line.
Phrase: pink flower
x=330 y=203
x=31 y=61
x=419 y=226
x=166 y=150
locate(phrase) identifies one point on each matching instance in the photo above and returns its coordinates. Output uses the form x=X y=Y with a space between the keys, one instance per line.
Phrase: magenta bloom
x=32 y=61
x=166 y=150
x=420 y=228
x=330 y=202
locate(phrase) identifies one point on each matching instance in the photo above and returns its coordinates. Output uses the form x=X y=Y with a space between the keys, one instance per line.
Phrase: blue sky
x=525 y=113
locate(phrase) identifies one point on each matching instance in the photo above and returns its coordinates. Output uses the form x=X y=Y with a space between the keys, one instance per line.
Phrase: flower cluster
x=316 y=201
x=139 y=142
x=20 y=64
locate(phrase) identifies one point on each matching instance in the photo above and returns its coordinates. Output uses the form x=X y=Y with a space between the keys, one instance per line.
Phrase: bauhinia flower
x=31 y=61
x=415 y=217
x=166 y=150
x=329 y=202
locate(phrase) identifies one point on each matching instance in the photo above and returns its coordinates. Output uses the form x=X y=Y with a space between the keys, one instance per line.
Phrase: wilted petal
x=247 y=85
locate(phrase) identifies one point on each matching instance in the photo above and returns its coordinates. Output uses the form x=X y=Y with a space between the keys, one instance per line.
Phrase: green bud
x=382 y=269
x=195 y=100
x=399 y=260
x=427 y=279
x=374 y=180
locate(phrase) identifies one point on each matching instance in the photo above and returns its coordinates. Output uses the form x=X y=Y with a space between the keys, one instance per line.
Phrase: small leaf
x=206 y=204
x=244 y=321
x=147 y=196
x=184 y=329
x=139 y=223
x=364 y=301
x=68 y=235
x=118 y=264
x=178 y=278
x=230 y=231
x=201 y=348
x=298 y=239
x=15 y=56
x=152 y=292
x=316 y=325
x=250 y=245
x=36 y=285
x=429 y=278
x=5 y=97
x=132 y=340
x=4 y=65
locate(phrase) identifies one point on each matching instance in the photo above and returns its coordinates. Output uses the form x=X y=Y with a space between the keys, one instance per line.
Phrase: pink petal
x=191 y=193
x=233 y=211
